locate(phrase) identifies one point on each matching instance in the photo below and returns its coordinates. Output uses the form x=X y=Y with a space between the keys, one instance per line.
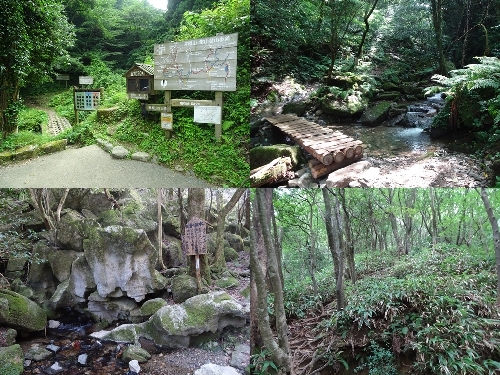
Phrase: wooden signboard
x=208 y=114
x=194 y=240
x=206 y=64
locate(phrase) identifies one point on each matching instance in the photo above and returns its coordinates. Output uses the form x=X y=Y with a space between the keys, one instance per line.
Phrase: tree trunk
x=334 y=245
x=437 y=20
x=349 y=241
x=368 y=13
x=160 y=228
x=196 y=208
x=496 y=236
x=261 y=229
x=220 y=261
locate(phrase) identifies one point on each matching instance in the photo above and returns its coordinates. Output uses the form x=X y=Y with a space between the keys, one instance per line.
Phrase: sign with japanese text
x=85 y=80
x=87 y=100
x=194 y=240
x=208 y=114
x=206 y=64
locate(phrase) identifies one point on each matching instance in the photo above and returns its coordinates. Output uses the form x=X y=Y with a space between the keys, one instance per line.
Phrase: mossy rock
x=152 y=306
x=344 y=81
x=6 y=157
x=298 y=108
x=263 y=155
x=53 y=146
x=18 y=312
x=389 y=95
x=132 y=352
x=230 y=254
x=227 y=282
x=246 y=292
x=183 y=288
x=350 y=107
x=376 y=114
x=25 y=152
x=11 y=360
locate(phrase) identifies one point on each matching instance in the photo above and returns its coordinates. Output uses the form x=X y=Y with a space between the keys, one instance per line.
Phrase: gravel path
x=91 y=166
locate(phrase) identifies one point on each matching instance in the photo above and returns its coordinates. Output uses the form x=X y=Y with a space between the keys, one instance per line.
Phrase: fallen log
x=278 y=170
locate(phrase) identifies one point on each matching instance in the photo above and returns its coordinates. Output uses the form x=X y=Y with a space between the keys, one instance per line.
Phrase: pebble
x=53 y=348
x=54 y=324
x=134 y=366
x=54 y=369
x=82 y=359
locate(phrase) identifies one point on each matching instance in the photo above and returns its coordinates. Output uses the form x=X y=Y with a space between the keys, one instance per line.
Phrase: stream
x=403 y=154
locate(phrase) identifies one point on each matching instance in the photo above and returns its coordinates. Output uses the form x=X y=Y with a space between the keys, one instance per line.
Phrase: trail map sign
x=85 y=80
x=194 y=241
x=87 y=100
x=206 y=64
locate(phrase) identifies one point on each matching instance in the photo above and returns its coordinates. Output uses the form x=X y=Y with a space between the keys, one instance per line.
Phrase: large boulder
x=81 y=282
x=172 y=252
x=20 y=313
x=121 y=258
x=132 y=215
x=11 y=360
x=376 y=114
x=72 y=229
x=110 y=309
x=352 y=106
x=174 y=325
x=60 y=262
x=235 y=241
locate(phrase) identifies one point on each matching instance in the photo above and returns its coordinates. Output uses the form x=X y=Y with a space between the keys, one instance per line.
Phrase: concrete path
x=57 y=124
x=91 y=167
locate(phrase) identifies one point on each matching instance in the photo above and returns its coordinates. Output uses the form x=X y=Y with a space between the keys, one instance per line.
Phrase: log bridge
x=331 y=149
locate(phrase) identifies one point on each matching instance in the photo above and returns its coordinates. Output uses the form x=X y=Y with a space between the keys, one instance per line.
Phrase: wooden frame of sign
x=194 y=243
x=205 y=64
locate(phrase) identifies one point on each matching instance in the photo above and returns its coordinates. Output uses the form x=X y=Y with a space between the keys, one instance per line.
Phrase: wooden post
x=168 y=103
x=218 y=103
x=198 y=273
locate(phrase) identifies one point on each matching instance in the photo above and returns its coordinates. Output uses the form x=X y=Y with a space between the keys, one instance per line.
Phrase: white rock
x=133 y=365
x=211 y=369
x=54 y=324
x=82 y=359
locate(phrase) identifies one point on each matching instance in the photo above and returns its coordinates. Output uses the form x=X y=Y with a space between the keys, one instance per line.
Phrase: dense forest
x=103 y=39
x=369 y=61
x=375 y=281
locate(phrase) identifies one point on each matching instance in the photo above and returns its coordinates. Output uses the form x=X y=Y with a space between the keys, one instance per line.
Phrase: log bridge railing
x=331 y=149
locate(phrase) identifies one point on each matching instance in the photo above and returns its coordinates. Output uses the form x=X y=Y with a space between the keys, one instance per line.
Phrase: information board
x=208 y=114
x=87 y=100
x=206 y=64
x=194 y=240
x=85 y=80
x=166 y=121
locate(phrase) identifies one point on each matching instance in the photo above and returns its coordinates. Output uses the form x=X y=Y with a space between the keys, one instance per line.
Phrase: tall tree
x=220 y=261
x=496 y=235
x=33 y=36
x=437 y=22
x=196 y=208
x=262 y=228
x=369 y=8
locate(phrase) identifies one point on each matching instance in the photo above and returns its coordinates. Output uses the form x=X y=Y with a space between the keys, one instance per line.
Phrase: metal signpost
x=206 y=64
x=194 y=243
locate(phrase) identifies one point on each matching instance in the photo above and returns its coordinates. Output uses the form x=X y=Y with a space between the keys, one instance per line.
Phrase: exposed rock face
x=20 y=313
x=122 y=260
x=110 y=309
x=11 y=360
x=235 y=241
x=352 y=106
x=241 y=356
x=175 y=325
x=71 y=230
x=81 y=281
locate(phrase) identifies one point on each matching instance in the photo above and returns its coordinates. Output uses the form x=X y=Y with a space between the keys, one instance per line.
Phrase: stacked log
x=276 y=171
x=331 y=149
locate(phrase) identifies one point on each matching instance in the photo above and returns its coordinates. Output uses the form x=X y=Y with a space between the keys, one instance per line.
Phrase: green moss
x=11 y=360
x=222 y=297
x=227 y=282
x=230 y=254
x=246 y=292
x=262 y=155
x=152 y=306
x=22 y=312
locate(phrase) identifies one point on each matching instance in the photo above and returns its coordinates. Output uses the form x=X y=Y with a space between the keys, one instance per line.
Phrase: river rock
x=376 y=114
x=11 y=360
x=352 y=106
x=183 y=288
x=172 y=325
x=134 y=366
x=82 y=359
x=121 y=258
x=212 y=369
x=126 y=333
x=20 y=313
x=37 y=353
x=342 y=177
x=56 y=368
x=9 y=336
x=132 y=352
x=241 y=356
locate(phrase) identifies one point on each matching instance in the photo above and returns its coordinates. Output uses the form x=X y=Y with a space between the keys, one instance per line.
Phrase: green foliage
x=443 y=310
x=23 y=138
x=380 y=361
x=32 y=120
x=261 y=364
